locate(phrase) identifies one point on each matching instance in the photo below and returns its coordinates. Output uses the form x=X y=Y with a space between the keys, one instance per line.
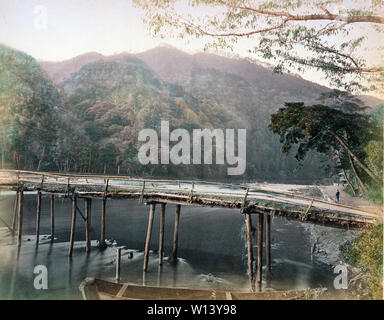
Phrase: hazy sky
x=60 y=29
x=72 y=27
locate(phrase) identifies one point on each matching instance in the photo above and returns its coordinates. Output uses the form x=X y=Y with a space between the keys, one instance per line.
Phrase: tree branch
x=326 y=16
x=234 y=34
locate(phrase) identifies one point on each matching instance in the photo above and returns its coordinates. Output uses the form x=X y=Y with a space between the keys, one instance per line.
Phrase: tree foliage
x=346 y=137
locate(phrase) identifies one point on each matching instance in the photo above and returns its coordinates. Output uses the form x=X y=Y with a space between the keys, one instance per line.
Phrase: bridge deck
x=248 y=198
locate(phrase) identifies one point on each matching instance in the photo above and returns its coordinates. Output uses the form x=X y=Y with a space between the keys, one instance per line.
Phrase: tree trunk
x=362 y=165
x=349 y=182
x=361 y=183
x=345 y=173
x=41 y=159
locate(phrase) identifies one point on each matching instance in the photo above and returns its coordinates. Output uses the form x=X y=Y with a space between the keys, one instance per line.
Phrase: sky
x=55 y=30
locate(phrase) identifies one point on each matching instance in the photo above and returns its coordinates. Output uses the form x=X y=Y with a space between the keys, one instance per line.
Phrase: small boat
x=96 y=289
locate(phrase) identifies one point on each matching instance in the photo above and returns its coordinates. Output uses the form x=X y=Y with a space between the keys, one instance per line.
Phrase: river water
x=212 y=251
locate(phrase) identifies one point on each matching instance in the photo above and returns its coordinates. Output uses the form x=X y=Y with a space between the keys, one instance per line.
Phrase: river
x=212 y=251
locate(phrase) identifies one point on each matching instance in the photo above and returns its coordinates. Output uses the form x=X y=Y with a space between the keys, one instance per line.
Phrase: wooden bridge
x=248 y=199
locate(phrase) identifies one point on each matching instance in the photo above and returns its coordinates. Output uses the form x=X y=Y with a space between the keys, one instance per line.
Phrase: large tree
x=330 y=131
x=294 y=35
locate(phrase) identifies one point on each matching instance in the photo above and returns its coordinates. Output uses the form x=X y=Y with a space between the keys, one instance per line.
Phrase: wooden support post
x=148 y=235
x=52 y=216
x=20 y=222
x=14 y=217
x=259 y=251
x=250 y=251
x=102 y=238
x=73 y=225
x=118 y=260
x=38 y=212
x=176 y=233
x=87 y=223
x=161 y=240
x=268 y=243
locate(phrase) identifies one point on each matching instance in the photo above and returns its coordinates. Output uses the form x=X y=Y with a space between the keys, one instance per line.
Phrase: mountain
x=84 y=114
x=175 y=66
x=116 y=96
x=59 y=71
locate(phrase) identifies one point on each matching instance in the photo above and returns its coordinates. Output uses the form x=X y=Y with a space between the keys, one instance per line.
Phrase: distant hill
x=175 y=66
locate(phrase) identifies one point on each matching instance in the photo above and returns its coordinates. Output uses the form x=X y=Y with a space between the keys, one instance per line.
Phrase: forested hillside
x=84 y=114
x=34 y=124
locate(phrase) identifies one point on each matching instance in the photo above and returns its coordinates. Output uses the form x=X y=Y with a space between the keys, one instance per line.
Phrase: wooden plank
x=73 y=225
x=122 y=290
x=305 y=214
x=248 y=220
x=161 y=240
x=228 y=295
x=148 y=235
x=176 y=233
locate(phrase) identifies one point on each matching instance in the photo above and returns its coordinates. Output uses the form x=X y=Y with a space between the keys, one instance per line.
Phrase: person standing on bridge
x=337 y=196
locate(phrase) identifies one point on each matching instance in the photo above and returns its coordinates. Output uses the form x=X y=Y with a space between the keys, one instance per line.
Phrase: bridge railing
x=194 y=184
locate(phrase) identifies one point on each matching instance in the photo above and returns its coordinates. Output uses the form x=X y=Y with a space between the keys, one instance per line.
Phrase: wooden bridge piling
x=52 y=216
x=248 y=220
x=14 y=217
x=38 y=212
x=102 y=236
x=268 y=243
x=161 y=240
x=88 y=204
x=73 y=225
x=20 y=218
x=259 y=270
x=118 y=260
x=176 y=233
x=148 y=235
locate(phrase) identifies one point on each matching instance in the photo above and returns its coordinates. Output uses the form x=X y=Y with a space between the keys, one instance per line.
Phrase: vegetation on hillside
x=90 y=122
x=366 y=252
x=33 y=122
